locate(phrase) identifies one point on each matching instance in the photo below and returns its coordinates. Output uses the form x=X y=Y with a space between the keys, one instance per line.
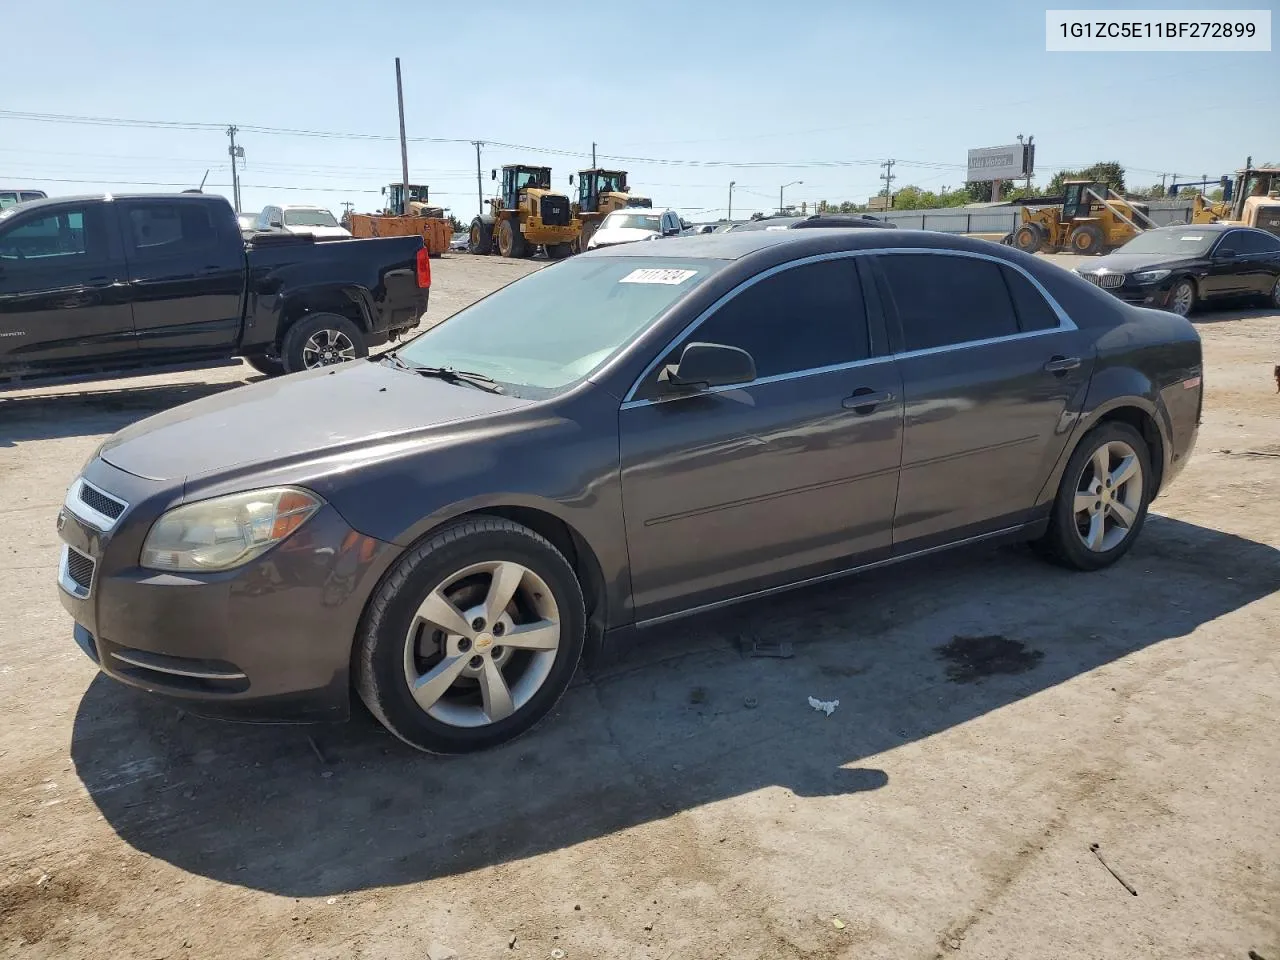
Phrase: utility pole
x=593 y=154
x=1164 y=190
x=235 y=153
x=404 y=145
x=479 y=179
x=731 y=183
x=888 y=177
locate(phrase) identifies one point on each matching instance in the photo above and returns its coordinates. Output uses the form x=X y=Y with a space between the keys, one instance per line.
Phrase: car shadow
x=1215 y=313
x=689 y=719
x=75 y=412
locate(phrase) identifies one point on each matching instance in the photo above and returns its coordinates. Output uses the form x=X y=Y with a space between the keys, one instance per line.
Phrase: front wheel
x=1102 y=500
x=1182 y=298
x=472 y=638
x=558 y=251
x=1028 y=238
x=1087 y=241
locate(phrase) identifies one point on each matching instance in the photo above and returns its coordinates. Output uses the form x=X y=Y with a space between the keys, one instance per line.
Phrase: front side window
x=55 y=237
x=170 y=229
x=945 y=300
x=801 y=318
x=555 y=327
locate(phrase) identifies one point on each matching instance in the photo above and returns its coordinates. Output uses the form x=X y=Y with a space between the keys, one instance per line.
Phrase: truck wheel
x=321 y=340
x=588 y=231
x=558 y=251
x=481 y=240
x=271 y=366
x=1028 y=238
x=1087 y=241
x=510 y=240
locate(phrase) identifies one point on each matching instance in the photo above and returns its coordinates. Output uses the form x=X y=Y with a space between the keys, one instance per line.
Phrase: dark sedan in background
x=621 y=439
x=1179 y=268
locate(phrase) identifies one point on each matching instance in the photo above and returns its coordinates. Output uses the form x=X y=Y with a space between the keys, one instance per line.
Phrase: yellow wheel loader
x=527 y=214
x=600 y=192
x=1091 y=220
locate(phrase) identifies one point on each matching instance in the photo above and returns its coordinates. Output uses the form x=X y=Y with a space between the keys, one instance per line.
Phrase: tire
x=1028 y=238
x=271 y=366
x=480 y=240
x=510 y=239
x=321 y=340
x=1274 y=299
x=1065 y=542
x=1182 y=297
x=396 y=648
x=558 y=251
x=589 y=229
x=1088 y=241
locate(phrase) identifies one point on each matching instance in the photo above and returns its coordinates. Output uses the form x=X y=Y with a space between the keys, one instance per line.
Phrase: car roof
x=81 y=197
x=735 y=245
x=1208 y=227
x=300 y=206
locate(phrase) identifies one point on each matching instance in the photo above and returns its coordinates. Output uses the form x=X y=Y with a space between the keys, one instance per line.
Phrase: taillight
x=424 y=269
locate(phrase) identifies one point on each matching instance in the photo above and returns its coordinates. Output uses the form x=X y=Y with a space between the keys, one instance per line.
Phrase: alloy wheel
x=1184 y=297
x=327 y=347
x=1108 y=496
x=481 y=644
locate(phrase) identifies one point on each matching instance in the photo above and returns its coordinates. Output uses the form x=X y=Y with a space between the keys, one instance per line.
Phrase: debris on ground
x=438 y=951
x=750 y=702
x=1097 y=852
x=511 y=944
x=824 y=706
x=837 y=923
x=315 y=748
x=782 y=650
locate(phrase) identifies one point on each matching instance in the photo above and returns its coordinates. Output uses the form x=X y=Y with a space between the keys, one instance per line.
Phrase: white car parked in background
x=301 y=218
x=634 y=223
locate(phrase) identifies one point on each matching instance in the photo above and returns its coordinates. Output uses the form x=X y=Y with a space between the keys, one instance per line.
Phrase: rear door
x=64 y=299
x=1256 y=258
x=186 y=274
x=989 y=370
x=738 y=489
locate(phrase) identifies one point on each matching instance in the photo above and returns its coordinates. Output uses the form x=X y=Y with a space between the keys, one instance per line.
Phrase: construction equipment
x=419 y=219
x=1252 y=200
x=525 y=216
x=1091 y=219
x=600 y=192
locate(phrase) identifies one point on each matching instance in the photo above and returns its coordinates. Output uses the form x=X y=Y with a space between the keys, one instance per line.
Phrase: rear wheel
x=1028 y=238
x=510 y=239
x=1102 y=499
x=322 y=340
x=1182 y=298
x=1087 y=241
x=1275 y=293
x=481 y=239
x=558 y=251
x=472 y=638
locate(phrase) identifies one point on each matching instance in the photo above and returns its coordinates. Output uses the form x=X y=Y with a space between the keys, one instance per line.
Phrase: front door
x=187 y=278
x=64 y=300
x=739 y=489
x=989 y=370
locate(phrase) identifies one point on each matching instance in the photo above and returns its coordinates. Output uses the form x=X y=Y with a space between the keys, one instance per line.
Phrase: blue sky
x=786 y=88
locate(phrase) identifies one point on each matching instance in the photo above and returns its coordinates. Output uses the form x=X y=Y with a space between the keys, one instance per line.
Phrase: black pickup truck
x=105 y=285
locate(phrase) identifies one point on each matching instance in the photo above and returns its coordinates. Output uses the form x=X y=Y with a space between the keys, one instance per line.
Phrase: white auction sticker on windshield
x=658 y=275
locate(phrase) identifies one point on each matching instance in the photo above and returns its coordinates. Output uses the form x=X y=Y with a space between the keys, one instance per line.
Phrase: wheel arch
x=350 y=302
x=1137 y=412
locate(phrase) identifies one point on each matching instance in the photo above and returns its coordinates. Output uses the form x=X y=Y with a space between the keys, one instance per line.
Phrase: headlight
x=1151 y=276
x=225 y=532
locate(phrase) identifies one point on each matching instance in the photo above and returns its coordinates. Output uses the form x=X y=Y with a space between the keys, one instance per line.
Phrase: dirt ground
x=997 y=717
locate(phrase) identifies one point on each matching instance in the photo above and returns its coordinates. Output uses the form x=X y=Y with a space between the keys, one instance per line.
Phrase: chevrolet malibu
x=606 y=445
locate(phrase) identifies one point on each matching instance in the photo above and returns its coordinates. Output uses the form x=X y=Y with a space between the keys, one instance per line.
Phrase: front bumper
x=1156 y=294
x=270 y=641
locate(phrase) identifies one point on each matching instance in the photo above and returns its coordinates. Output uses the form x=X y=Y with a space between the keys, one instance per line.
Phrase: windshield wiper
x=448 y=374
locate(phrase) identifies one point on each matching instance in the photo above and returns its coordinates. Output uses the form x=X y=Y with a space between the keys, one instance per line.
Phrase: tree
x=456 y=225
x=1109 y=172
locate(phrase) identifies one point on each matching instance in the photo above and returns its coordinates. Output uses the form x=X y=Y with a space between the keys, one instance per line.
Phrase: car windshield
x=555 y=327
x=1178 y=242
x=636 y=221
x=309 y=218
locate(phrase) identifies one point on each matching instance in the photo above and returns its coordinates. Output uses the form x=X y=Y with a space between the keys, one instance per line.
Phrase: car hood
x=1120 y=262
x=320 y=231
x=620 y=235
x=304 y=416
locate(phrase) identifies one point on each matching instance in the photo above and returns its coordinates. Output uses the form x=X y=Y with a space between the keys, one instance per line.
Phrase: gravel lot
x=997 y=717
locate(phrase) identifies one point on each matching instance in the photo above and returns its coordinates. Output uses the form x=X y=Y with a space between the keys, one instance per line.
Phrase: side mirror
x=384 y=191
x=571 y=179
x=1224 y=253
x=493 y=174
x=276 y=224
x=704 y=365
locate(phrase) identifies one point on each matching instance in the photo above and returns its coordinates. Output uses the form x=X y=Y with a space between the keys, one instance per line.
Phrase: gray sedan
x=605 y=446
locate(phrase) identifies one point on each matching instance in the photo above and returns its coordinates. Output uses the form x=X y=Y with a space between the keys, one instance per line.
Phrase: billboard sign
x=1001 y=163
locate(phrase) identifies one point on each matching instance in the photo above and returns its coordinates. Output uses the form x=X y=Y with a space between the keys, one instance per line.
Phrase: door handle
x=1061 y=364
x=864 y=400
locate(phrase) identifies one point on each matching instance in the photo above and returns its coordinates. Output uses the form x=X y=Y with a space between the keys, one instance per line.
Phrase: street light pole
x=793 y=183
x=731 y=183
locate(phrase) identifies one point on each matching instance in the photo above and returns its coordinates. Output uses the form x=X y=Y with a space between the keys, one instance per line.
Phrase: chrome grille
x=76 y=575
x=1108 y=281
x=106 y=505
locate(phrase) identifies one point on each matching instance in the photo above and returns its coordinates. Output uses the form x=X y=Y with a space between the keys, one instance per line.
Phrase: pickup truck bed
x=104 y=285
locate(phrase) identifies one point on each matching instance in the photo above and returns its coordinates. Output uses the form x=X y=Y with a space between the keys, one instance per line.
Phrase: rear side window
x=944 y=300
x=798 y=319
x=1245 y=243
x=58 y=237
x=1034 y=312
x=158 y=230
